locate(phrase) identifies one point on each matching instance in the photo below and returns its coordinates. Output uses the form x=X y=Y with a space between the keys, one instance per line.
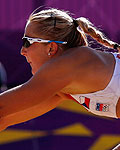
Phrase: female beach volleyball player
x=64 y=67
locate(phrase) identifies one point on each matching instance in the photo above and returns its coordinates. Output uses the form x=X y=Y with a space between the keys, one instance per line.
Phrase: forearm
x=21 y=98
x=30 y=113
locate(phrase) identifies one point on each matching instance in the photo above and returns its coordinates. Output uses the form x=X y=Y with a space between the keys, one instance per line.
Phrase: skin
x=77 y=70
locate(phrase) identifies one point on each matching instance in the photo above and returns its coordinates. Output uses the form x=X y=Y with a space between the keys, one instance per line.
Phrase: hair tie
x=75 y=23
x=115 y=46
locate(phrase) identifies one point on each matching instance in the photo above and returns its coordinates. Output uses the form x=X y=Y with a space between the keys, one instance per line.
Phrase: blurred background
x=69 y=126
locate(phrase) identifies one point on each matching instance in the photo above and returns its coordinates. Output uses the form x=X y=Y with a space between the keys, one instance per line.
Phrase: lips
x=29 y=61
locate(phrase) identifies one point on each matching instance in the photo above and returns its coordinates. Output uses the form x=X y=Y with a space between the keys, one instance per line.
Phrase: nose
x=23 y=51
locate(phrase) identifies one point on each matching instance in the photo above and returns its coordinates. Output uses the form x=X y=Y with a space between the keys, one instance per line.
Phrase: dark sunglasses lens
x=26 y=43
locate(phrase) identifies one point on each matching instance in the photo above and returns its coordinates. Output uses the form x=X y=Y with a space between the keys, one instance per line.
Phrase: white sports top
x=103 y=102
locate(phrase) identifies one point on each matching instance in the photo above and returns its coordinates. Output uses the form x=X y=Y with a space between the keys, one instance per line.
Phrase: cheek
x=37 y=59
x=38 y=53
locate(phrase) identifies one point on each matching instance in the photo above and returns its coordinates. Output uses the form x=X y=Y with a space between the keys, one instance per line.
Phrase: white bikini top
x=103 y=102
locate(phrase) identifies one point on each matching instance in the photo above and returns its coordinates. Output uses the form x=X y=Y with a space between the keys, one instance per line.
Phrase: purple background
x=13 y=15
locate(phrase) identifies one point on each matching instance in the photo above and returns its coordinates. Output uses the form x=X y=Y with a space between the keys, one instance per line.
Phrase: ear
x=53 y=48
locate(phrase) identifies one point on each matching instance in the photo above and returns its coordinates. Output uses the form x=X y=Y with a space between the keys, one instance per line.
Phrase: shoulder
x=81 y=51
x=86 y=54
x=81 y=54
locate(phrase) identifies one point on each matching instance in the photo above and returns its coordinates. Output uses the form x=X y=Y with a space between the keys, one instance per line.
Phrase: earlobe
x=49 y=54
x=53 y=48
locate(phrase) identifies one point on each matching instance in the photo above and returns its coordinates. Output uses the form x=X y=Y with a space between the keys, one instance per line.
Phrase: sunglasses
x=27 y=41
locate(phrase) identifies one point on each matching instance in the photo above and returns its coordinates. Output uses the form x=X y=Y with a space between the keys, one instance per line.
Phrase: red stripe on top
x=87 y=101
x=70 y=97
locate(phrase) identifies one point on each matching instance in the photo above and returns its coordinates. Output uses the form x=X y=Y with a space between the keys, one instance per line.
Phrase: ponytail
x=88 y=28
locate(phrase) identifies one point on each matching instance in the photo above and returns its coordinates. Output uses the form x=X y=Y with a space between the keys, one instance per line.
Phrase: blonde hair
x=89 y=29
x=59 y=25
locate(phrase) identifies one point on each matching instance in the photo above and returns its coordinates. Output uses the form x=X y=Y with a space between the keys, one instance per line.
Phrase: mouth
x=29 y=62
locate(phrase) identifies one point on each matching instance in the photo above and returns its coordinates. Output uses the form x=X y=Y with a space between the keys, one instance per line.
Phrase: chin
x=34 y=71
